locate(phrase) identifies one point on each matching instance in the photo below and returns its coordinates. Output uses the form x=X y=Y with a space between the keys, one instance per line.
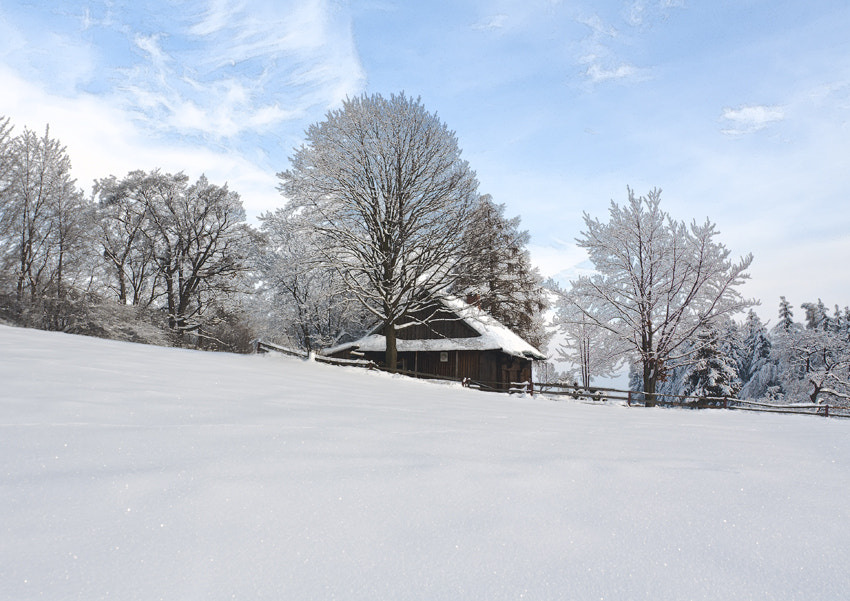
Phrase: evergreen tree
x=636 y=381
x=844 y=323
x=712 y=373
x=755 y=348
x=786 y=316
x=816 y=316
x=496 y=271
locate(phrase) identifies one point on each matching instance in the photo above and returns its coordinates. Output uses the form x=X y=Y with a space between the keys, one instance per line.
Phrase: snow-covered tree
x=658 y=282
x=816 y=316
x=306 y=304
x=388 y=199
x=6 y=159
x=195 y=234
x=495 y=268
x=125 y=235
x=809 y=363
x=786 y=315
x=42 y=216
x=755 y=347
x=711 y=372
x=587 y=348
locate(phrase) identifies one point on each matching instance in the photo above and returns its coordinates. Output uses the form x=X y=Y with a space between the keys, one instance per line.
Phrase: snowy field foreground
x=135 y=472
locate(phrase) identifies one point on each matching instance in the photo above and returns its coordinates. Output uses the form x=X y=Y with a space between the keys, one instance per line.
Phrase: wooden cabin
x=454 y=339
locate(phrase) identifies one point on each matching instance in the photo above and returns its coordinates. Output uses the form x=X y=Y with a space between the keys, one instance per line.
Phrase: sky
x=737 y=110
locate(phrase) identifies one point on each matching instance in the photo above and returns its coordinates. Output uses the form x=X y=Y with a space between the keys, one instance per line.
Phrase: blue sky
x=738 y=111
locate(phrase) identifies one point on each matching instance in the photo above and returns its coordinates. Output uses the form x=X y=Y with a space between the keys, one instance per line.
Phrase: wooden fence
x=591 y=394
x=633 y=398
x=261 y=347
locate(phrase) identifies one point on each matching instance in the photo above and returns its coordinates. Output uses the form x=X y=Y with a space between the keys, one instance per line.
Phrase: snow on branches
x=657 y=283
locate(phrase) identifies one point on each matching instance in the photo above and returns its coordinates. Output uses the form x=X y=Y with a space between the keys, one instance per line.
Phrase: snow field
x=135 y=472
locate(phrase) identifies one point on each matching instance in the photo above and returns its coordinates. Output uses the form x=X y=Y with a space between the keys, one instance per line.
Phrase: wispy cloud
x=750 y=118
x=641 y=13
x=216 y=89
x=238 y=67
x=491 y=23
x=599 y=29
x=597 y=73
x=102 y=139
x=600 y=59
x=610 y=44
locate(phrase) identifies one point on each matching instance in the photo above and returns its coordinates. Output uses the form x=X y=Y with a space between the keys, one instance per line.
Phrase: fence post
x=629 y=400
x=826 y=410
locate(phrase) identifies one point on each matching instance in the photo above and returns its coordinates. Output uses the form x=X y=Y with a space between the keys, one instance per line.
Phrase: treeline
x=153 y=257
x=791 y=362
x=150 y=257
x=381 y=217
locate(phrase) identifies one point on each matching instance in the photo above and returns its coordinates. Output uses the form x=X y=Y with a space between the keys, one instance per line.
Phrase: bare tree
x=194 y=236
x=388 y=196
x=7 y=156
x=587 y=347
x=658 y=282
x=125 y=238
x=308 y=304
x=41 y=217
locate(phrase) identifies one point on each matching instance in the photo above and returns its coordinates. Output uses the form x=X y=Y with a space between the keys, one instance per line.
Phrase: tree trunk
x=650 y=377
x=392 y=353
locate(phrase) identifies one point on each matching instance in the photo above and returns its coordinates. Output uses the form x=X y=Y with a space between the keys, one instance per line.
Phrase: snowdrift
x=136 y=472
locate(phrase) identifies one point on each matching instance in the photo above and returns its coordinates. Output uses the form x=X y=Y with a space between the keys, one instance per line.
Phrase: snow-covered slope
x=134 y=472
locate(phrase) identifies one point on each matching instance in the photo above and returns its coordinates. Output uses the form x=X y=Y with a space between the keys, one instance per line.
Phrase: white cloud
x=598 y=27
x=491 y=23
x=228 y=73
x=150 y=45
x=748 y=119
x=597 y=73
x=104 y=139
x=561 y=261
x=218 y=15
x=600 y=57
x=640 y=13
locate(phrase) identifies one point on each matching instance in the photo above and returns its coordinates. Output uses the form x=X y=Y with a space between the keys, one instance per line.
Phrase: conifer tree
x=755 y=349
x=786 y=316
x=496 y=270
x=713 y=372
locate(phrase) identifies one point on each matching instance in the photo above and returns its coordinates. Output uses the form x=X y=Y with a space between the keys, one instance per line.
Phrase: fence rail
x=633 y=398
x=591 y=394
x=261 y=346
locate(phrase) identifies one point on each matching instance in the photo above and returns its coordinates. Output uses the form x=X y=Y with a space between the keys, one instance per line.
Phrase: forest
x=379 y=216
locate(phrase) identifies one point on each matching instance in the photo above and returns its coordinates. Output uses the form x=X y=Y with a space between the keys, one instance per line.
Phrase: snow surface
x=135 y=472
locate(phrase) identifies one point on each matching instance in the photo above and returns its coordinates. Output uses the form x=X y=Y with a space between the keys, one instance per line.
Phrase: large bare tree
x=658 y=282
x=388 y=197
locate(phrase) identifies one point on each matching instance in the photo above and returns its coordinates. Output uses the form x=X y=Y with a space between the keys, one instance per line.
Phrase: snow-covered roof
x=493 y=336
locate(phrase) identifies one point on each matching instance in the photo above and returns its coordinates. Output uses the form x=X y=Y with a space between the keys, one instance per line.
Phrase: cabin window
x=444 y=356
